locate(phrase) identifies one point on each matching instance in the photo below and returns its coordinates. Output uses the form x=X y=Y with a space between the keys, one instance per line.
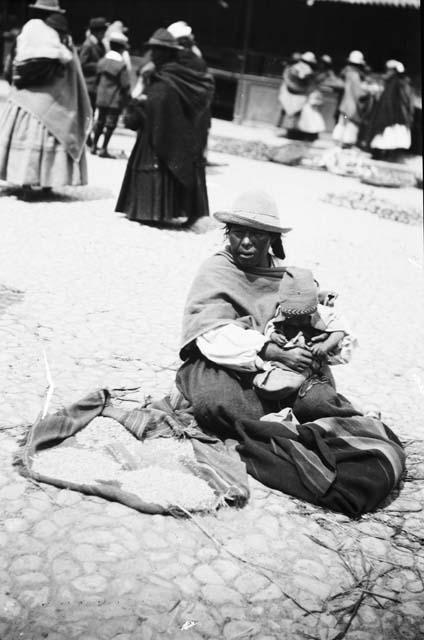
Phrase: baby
x=301 y=320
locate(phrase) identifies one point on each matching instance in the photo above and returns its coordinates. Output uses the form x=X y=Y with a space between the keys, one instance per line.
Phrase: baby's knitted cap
x=298 y=292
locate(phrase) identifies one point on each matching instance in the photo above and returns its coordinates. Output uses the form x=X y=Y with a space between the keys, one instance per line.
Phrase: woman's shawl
x=354 y=92
x=395 y=106
x=222 y=293
x=38 y=40
x=194 y=86
x=176 y=99
x=62 y=106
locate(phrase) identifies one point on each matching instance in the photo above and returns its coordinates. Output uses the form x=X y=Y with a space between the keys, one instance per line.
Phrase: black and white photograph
x=211 y=320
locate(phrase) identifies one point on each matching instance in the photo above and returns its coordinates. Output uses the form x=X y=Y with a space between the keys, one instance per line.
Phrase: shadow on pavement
x=67 y=194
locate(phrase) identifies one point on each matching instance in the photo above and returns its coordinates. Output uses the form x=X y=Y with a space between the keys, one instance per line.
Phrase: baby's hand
x=278 y=338
x=319 y=349
x=327 y=298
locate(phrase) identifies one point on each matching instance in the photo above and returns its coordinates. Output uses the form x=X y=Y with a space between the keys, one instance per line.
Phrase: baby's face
x=298 y=321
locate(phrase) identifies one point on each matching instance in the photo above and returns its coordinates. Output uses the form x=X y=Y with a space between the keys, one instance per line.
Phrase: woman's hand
x=298 y=358
x=327 y=298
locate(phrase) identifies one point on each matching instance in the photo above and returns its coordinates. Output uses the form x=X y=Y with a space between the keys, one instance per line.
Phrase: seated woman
x=230 y=302
x=335 y=457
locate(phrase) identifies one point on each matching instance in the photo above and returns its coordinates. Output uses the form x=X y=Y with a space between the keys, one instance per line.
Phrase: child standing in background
x=113 y=86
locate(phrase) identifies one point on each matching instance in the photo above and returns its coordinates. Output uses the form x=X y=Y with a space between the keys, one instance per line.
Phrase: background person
x=165 y=176
x=46 y=120
x=118 y=27
x=191 y=57
x=392 y=117
x=298 y=100
x=91 y=52
x=113 y=86
x=355 y=92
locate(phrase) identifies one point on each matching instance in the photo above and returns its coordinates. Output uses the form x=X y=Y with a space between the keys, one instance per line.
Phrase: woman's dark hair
x=277 y=246
x=163 y=55
x=117 y=46
x=276 y=242
x=40 y=14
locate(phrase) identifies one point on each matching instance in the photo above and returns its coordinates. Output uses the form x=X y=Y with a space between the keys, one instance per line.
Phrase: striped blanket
x=348 y=464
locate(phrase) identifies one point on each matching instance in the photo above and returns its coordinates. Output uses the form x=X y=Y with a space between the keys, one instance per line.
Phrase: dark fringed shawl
x=395 y=106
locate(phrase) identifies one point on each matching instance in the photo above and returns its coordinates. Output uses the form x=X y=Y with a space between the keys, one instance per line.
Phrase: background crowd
x=375 y=115
x=65 y=99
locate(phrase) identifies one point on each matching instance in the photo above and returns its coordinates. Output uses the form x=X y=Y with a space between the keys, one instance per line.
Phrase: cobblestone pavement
x=103 y=297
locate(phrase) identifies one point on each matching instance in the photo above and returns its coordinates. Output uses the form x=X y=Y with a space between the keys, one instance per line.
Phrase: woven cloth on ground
x=348 y=463
x=214 y=463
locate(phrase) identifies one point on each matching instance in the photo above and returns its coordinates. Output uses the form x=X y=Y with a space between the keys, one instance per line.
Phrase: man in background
x=91 y=52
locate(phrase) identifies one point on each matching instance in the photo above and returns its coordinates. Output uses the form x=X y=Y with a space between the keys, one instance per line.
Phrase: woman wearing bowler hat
x=46 y=120
x=351 y=107
x=165 y=176
x=333 y=458
x=232 y=298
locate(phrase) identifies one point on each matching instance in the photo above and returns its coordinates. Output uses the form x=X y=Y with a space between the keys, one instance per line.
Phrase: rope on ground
x=50 y=388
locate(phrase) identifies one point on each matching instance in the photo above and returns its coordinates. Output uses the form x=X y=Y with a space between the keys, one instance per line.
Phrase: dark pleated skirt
x=150 y=193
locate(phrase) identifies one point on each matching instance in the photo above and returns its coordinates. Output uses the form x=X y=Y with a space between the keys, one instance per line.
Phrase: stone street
x=102 y=297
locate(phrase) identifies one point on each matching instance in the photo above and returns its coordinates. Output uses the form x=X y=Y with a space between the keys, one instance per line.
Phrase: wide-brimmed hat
x=180 y=29
x=326 y=59
x=308 y=57
x=396 y=65
x=256 y=210
x=298 y=293
x=118 y=38
x=162 y=38
x=97 y=24
x=47 y=5
x=356 y=57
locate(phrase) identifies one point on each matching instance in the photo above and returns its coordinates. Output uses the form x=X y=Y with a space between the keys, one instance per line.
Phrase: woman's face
x=249 y=247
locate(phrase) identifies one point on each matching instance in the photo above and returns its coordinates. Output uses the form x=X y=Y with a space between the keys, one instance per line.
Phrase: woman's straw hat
x=180 y=29
x=256 y=210
x=47 y=5
x=396 y=65
x=308 y=57
x=356 y=57
x=163 y=38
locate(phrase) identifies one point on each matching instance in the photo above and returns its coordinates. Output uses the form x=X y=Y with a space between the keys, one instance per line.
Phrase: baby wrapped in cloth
x=302 y=321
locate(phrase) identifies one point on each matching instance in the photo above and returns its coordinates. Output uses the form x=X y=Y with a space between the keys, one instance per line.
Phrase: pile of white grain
x=161 y=468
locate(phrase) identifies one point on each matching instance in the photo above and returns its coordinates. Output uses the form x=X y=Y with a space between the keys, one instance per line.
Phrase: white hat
x=396 y=65
x=356 y=57
x=309 y=57
x=118 y=37
x=256 y=210
x=180 y=29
